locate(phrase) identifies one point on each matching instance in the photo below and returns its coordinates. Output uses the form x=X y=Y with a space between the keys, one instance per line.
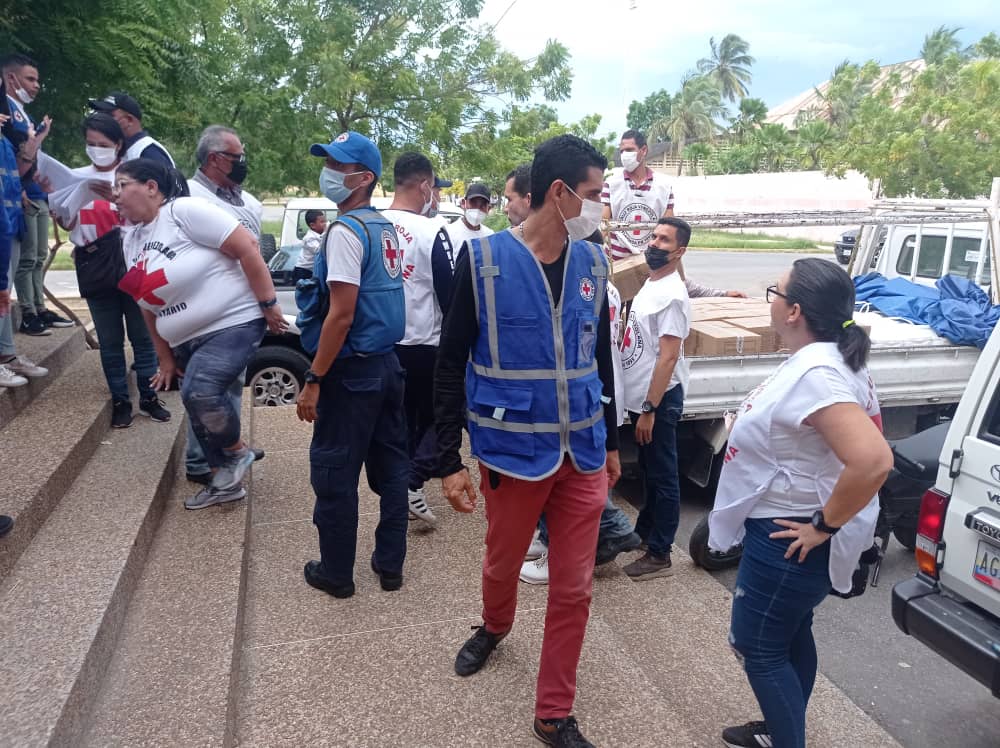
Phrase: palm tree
x=772 y=144
x=813 y=139
x=696 y=154
x=729 y=65
x=752 y=113
x=941 y=43
x=693 y=116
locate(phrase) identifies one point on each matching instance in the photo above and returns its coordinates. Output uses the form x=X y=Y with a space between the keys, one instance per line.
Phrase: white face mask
x=474 y=216
x=428 y=205
x=102 y=156
x=581 y=226
x=630 y=160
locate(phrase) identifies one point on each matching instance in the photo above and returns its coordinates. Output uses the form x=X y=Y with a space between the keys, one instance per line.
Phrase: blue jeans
x=360 y=421
x=7 y=347
x=113 y=314
x=211 y=364
x=614 y=524
x=195 y=462
x=660 y=516
x=771 y=629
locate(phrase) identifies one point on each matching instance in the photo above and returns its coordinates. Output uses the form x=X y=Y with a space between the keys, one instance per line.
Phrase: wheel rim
x=274 y=386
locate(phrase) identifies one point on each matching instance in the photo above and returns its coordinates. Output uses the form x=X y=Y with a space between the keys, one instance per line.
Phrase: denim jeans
x=195 y=462
x=771 y=629
x=614 y=524
x=211 y=364
x=418 y=400
x=360 y=421
x=660 y=515
x=113 y=314
x=34 y=250
x=7 y=347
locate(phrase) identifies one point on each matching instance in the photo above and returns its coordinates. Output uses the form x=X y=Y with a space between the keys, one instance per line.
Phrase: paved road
x=916 y=696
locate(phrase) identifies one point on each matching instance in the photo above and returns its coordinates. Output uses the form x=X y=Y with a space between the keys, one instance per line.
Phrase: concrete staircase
x=126 y=620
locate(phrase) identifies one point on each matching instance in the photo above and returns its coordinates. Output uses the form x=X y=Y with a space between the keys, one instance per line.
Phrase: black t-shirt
x=459 y=332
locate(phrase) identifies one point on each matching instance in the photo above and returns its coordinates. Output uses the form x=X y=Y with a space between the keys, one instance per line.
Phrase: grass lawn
x=705 y=239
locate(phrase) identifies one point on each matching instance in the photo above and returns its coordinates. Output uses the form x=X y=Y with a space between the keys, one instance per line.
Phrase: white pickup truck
x=953 y=603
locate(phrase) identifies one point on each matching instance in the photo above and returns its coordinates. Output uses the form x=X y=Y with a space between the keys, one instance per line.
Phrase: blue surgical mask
x=331 y=184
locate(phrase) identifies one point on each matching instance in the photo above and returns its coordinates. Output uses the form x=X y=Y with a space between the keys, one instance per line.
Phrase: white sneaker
x=537 y=549
x=26 y=367
x=9 y=379
x=537 y=571
x=419 y=508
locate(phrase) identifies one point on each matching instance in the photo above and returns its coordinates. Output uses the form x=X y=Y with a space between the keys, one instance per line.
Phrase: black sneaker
x=121 y=414
x=51 y=319
x=750 y=735
x=258 y=454
x=153 y=407
x=6 y=524
x=32 y=325
x=608 y=550
x=474 y=653
x=564 y=733
x=313 y=572
x=389 y=582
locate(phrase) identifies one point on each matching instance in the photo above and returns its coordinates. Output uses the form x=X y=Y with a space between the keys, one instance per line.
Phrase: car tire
x=708 y=559
x=268 y=246
x=906 y=535
x=276 y=375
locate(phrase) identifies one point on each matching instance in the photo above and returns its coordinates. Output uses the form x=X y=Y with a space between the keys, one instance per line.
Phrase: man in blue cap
x=354 y=388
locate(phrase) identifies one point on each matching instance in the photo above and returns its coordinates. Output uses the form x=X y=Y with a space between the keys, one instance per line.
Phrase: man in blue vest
x=354 y=388
x=527 y=345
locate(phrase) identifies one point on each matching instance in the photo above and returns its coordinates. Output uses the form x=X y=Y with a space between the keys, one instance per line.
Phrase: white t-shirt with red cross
x=631 y=202
x=416 y=234
x=98 y=217
x=177 y=271
x=615 y=315
x=660 y=308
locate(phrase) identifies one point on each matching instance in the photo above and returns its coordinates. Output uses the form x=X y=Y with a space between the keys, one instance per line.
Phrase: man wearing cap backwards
x=527 y=344
x=354 y=388
x=476 y=206
x=128 y=114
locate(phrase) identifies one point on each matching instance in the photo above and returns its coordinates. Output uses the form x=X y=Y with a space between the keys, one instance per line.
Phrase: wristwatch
x=312 y=377
x=820 y=524
x=267 y=304
x=647 y=406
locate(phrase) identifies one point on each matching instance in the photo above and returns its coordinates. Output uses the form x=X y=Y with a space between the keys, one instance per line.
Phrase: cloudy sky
x=621 y=53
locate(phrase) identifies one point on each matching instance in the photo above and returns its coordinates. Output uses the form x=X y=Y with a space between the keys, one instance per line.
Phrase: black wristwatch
x=268 y=304
x=312 y=377
x=819 y=522
x=647 y=406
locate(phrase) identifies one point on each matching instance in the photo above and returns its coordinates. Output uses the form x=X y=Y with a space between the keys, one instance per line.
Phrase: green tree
x=694 y=114
x=752 y=113
x=848 y=86
x=737 y=159
x=773 y=145
x=941 y=43
x=654 y=108
x=697 y=154
x=729 y=65
x=813 y=140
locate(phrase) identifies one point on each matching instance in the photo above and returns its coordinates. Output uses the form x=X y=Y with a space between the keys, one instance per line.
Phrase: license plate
x=987 y=566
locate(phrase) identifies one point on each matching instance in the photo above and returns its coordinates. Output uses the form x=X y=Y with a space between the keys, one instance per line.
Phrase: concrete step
x=171 y=678
x=62 y=604
x=46 y=446
x=55 y=352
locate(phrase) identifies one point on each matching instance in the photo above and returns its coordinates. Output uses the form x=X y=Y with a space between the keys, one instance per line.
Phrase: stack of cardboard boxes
x=722 y=326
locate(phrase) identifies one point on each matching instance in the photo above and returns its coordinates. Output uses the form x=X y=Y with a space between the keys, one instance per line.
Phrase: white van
x=953 y=603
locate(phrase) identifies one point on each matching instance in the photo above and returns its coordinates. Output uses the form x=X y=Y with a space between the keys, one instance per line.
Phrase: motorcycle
x=915 y=463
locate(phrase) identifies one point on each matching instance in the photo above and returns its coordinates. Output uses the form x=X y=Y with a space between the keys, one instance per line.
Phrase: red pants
x=572 y=502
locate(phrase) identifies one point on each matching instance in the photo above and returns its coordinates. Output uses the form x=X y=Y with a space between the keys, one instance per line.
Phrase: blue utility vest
x=531 y=384
x=22 y=122
x=380 y=314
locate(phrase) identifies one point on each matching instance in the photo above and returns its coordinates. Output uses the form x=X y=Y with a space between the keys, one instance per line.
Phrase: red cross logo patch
x=587 y=289
x=632 y=343
x=342 y=137
x=638 y=213
x=392 y=255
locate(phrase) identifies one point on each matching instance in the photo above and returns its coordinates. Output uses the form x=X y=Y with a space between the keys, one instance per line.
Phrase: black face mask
x=239 y=171
x=657 y=258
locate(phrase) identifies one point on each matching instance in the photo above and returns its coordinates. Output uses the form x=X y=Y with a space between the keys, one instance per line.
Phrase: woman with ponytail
x=207 y=298
x=804 y=463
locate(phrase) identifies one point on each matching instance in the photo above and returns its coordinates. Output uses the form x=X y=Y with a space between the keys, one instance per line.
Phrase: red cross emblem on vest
x=392 y=255
x=587 y=289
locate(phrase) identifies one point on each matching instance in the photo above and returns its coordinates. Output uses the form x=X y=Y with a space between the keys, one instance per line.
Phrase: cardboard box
x=769 y=342
x=629 y=274
x=713 y=338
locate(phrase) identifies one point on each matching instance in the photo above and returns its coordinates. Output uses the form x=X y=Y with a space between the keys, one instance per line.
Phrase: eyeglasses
x=235 y=157
x=773 y=291
x=119 y=186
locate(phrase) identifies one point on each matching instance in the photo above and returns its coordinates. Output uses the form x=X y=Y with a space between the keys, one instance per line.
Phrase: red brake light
x=930 y=528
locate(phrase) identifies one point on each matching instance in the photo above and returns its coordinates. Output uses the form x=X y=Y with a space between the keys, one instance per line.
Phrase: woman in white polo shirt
x=207 y=298
x=804 y=462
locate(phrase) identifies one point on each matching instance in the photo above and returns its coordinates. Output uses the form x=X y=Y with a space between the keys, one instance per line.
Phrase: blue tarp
x=956 y=309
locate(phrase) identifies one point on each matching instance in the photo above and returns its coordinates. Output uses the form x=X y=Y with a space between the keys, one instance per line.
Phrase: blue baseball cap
x=351 y=148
